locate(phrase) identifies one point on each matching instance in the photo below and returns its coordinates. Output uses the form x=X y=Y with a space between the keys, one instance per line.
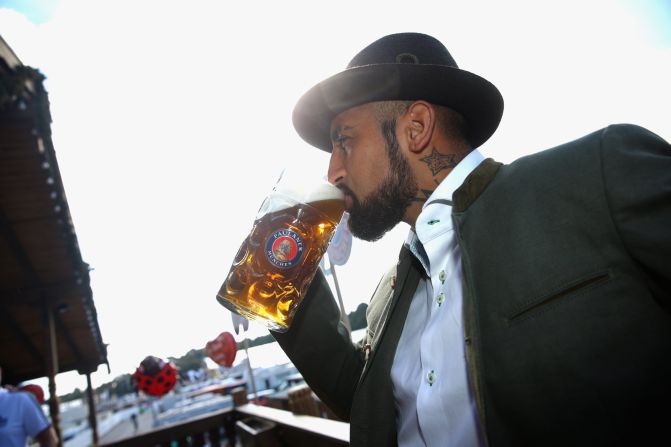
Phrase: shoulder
x=629 y=139
x=27 y=399
x=611 y=141
x=21 y=401
x=615 y=135
x=627 y=131
x=34 y=419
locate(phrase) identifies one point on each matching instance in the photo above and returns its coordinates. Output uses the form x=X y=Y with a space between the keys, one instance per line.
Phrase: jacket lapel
x=463 y=197
x=407 y=278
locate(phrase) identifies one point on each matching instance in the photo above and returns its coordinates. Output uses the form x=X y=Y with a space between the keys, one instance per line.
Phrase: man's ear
x=419 y=120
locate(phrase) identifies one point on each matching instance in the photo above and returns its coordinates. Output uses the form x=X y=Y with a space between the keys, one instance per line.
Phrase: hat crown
x=400 y=67
x=404 y=48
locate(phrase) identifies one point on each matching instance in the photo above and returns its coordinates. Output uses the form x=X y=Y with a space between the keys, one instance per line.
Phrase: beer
x=278 y=260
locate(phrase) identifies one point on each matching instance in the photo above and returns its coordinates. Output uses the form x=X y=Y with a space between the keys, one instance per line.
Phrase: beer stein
x=279 y=257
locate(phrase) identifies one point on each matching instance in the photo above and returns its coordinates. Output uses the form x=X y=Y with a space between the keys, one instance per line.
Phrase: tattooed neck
x=438 y=162
x=424 y=194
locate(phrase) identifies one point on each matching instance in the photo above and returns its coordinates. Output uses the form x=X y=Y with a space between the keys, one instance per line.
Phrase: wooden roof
x=42 y=275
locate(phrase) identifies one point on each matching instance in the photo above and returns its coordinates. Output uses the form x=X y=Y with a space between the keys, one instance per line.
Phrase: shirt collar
x=435 y=217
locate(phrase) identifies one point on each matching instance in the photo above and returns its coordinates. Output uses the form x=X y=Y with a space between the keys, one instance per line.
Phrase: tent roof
x=42 y=274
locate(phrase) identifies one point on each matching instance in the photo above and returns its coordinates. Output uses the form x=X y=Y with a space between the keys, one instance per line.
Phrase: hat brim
x=475 y=98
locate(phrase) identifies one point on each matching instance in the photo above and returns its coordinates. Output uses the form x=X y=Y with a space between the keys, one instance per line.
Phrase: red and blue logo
x=284 y=248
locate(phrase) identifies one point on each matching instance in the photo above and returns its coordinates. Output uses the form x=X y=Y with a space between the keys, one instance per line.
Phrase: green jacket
x=567 y=302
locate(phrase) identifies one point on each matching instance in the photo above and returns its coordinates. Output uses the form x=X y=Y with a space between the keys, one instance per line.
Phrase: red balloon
x=222 y=349
x=36 y=390
x=155 y=376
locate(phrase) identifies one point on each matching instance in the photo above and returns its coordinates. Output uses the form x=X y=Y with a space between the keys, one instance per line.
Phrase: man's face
x=370 y=167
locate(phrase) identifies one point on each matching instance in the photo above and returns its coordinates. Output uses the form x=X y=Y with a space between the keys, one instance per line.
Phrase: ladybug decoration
x=222 y=349
x=155 y=376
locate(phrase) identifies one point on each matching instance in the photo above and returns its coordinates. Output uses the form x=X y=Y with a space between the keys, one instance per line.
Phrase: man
x=22 y=418
x=531 y=302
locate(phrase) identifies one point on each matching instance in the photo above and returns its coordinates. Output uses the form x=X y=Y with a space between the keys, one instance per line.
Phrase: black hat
x=404 y=66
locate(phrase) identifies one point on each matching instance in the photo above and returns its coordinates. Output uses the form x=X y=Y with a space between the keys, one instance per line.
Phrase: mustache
x=346 y=190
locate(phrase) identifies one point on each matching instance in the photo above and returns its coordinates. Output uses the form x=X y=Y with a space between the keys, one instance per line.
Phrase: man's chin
x=365 y=231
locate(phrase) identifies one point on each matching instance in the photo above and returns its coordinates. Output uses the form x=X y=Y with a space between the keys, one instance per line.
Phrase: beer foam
x=284 y=197
x=324 y=191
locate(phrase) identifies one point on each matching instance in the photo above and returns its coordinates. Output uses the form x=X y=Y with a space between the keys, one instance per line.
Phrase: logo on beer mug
x=284 y=248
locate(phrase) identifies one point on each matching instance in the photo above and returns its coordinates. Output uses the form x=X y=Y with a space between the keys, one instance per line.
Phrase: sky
x=172 y=120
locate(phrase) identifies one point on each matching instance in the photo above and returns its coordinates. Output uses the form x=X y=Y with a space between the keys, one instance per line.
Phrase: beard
x=379 y=212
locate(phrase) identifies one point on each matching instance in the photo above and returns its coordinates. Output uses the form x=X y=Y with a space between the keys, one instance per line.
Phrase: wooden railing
x=284 y=428
x=245 y=425
x=214 y=428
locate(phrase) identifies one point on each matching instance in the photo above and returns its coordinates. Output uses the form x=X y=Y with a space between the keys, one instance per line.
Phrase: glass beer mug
x=277 y=261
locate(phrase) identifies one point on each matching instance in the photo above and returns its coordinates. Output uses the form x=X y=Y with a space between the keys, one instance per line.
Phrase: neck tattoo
x=437 y=161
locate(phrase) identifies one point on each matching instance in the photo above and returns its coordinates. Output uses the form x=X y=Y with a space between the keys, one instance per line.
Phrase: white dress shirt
x=435 y=405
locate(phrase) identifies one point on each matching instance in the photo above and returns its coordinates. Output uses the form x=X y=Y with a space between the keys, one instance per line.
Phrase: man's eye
x=341 y=141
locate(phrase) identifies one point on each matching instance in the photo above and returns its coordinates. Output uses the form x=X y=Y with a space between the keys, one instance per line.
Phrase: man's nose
x=336 y=172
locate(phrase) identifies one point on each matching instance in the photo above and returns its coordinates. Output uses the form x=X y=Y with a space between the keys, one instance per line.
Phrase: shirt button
x=442 y=275
x=431 y=377
x=440 y=298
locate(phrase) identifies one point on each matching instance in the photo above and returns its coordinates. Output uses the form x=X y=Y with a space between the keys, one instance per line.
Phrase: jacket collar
x=476 y=182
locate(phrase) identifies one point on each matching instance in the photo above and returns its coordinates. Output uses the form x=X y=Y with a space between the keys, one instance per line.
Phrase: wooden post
x=93 y=421
x=251 y=372
x=52 y=368
x=239 y=396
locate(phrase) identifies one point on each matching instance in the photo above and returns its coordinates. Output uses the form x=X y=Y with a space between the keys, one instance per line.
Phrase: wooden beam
x=17 y=249
x=51 y=361
x=63 y=330
x=23 y=338
x=32 y=296
x=8 y=54
x=93 y=421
